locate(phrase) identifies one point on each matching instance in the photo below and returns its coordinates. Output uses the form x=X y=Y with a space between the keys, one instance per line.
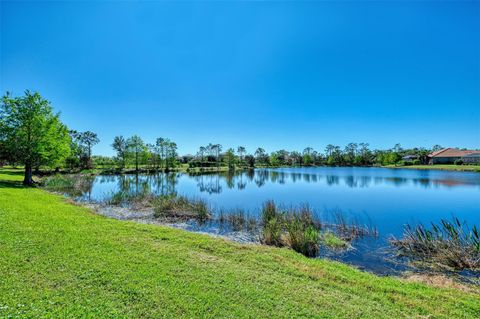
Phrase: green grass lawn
x=444 y=167
x=60 y=260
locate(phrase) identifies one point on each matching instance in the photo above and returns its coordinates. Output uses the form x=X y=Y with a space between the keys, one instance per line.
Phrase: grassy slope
x=443 y=167
x=60 y=260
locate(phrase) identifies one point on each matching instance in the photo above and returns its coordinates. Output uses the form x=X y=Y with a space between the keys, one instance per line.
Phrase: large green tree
x=137 y=149
x=120 y=147
x=32 y=133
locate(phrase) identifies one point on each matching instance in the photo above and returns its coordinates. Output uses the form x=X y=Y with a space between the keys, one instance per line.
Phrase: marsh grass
x=181 y=207
x=331 y=240
x=296 y=228
x=238 y=220
x=132 y=199
x=448 y=244
x=349 y=230
x=302 y=230
x=73 y=185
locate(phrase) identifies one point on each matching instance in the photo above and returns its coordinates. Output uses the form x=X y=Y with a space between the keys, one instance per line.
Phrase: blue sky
x=277 y=75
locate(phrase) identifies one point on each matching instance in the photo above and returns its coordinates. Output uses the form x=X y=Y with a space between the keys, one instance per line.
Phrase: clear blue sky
x=276 y=75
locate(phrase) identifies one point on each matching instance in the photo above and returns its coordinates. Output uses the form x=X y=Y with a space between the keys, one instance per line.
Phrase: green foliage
x=230 y=158
x=120 y=146
x=82 y=143
x=31 y=133
x=136 y=149
x=458 y=162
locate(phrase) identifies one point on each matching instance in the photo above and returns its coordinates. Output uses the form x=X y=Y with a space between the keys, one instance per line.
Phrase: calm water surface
x=385 y=198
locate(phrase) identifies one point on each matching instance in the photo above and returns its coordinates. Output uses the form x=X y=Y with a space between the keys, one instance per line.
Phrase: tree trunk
x=27 y=181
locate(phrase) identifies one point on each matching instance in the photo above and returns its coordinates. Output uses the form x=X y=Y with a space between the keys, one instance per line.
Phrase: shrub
x=458 y=162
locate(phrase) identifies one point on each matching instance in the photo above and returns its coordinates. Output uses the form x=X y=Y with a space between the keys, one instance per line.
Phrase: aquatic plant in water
x=180 y=207
x=449 y=244
x=73 y=185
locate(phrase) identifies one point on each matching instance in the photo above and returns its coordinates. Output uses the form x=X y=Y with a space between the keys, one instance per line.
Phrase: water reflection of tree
x=209 y=183
x=165 y=183
x=261 y=177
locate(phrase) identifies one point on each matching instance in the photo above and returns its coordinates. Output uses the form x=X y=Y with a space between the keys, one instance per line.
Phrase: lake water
x=385 y=198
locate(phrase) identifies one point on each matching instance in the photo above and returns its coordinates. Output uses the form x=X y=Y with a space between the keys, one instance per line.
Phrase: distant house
x=449 y=155
x=410 y=157
x=473 y=158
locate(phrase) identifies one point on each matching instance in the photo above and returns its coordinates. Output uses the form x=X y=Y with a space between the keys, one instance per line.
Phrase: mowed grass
x=58 y=260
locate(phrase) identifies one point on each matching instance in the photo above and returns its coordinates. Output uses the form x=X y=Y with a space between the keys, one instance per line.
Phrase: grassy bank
x=60 y=260
x=443 y=167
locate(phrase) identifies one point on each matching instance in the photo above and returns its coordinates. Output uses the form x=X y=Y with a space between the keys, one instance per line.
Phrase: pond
x=386 y=199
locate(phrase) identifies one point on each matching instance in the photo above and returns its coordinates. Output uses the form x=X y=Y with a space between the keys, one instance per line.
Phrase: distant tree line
x=33 y=136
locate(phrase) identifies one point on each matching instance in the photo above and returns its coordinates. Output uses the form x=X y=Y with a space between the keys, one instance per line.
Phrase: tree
x=350 y=153
x=171 y=154
x=230 y=156
x=89 y=139
x=120 y=147
x=201 y=153
x=329 y=150
x=260 y=155
x=32 y=133
x=136 y=148
x=241 y=152
x=162 y=144
x=216 y=149
x=307 y=156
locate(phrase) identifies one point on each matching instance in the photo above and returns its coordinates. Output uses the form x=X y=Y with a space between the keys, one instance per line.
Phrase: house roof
x=451 y=152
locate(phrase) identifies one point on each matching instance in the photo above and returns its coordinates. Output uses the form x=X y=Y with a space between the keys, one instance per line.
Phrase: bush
x=416 y=162
x=458 y=162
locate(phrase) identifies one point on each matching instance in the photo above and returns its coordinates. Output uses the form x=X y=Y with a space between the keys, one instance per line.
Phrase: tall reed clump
x=448 y=244
x=301 y=235
x=238 y=220
x=272 y=225
x=294 y=228
x=180 y=207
